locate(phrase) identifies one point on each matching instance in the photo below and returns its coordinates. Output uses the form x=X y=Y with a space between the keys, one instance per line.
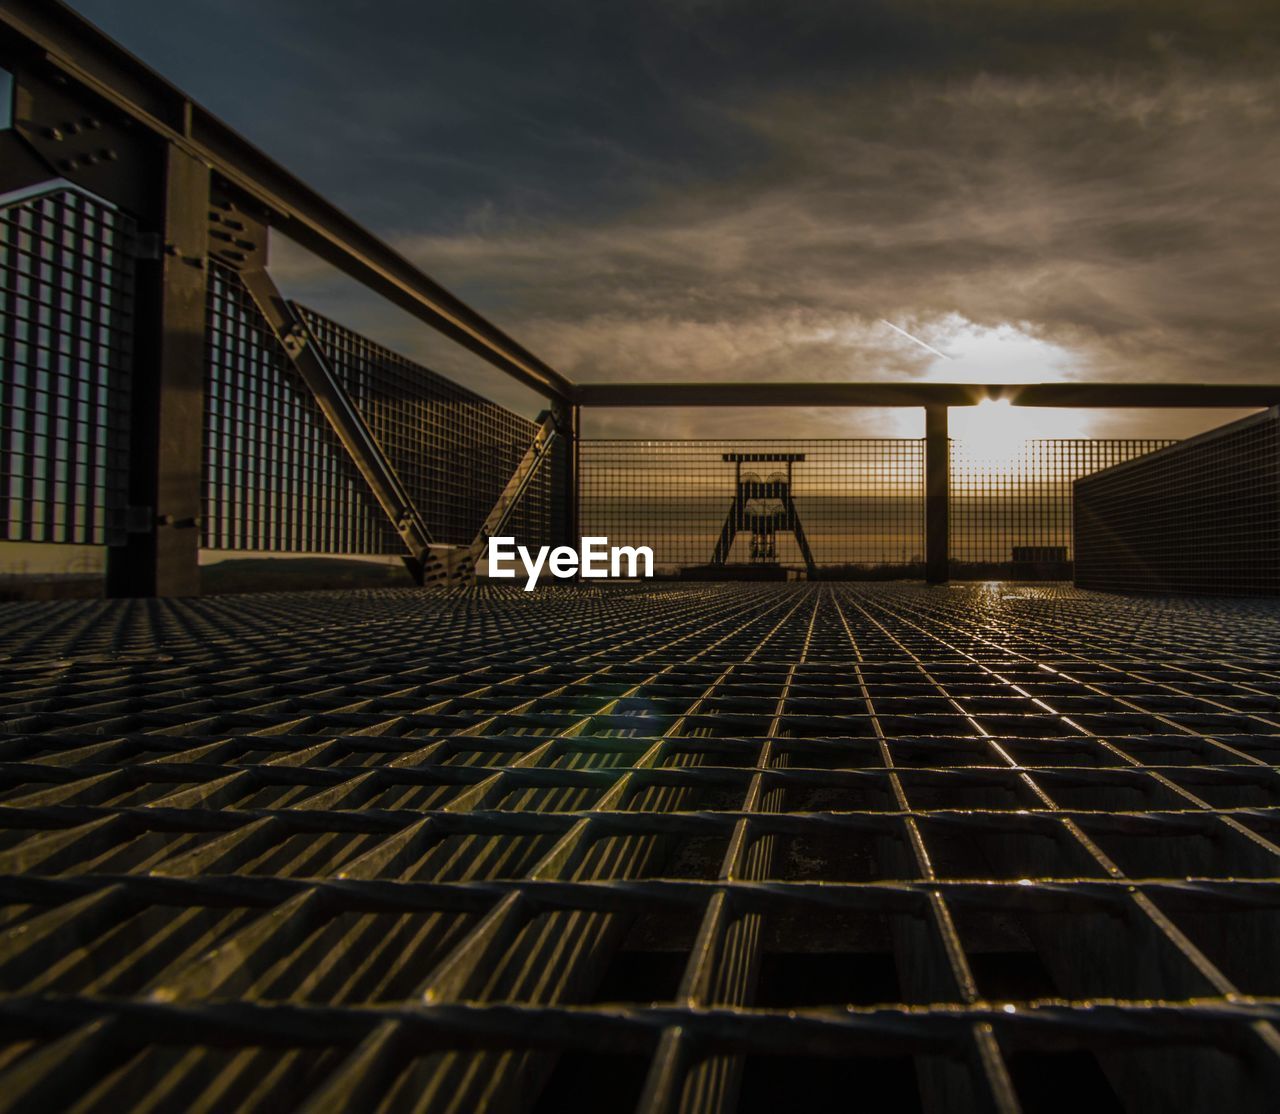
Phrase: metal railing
x=1203 y=516
x=200 y=201
x=276 y=475
x=861 y=503
x=1018 y=503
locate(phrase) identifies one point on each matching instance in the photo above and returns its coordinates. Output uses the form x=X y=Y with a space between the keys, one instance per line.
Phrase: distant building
x=1040 y=562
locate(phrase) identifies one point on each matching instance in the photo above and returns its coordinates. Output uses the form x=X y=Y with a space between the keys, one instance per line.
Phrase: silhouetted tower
x=763 y=506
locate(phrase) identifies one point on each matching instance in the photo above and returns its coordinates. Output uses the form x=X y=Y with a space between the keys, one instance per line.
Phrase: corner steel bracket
x=77 y=136
x=423 y=557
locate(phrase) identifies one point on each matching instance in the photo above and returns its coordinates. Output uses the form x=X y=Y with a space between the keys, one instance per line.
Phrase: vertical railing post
x=937 y=495
x=161 y=554
x=565 y=527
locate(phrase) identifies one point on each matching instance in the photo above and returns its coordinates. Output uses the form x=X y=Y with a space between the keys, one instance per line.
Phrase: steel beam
x=937 y=495
x=50 y=35
x=1141 y=395
x=161 y=554
x=348 y=423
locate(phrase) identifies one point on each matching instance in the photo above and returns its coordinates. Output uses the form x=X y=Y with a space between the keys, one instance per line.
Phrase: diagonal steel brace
x=538 y=452
x=308 y=360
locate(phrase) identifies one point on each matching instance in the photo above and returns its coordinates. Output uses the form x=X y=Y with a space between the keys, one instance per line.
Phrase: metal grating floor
x=676 y=848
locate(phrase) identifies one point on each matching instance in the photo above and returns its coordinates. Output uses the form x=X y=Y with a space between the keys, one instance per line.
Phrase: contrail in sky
x=926 y=347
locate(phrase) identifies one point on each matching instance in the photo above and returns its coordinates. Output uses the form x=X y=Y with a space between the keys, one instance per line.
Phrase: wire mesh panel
x=454 y=449
x=66 y=323
x=278 y=478
x=1013 y=508
x=1201 y=516
x=859 y=502
x=677 y=848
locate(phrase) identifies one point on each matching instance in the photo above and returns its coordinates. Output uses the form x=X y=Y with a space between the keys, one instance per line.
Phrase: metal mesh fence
x=696 y=848
x=66 y=320
x=1015 y=507
x=1202 y=516
x=277 y=477
x=859 y=502
x=454 y=449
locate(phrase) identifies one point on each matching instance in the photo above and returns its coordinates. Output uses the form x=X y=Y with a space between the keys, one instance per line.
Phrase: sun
x=993 y=430
x=996 y=432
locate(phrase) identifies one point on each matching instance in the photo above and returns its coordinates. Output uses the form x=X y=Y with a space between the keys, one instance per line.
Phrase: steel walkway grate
x=685 y=848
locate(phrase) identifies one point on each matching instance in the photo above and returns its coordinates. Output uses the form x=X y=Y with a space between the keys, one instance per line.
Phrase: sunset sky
x=756 y=190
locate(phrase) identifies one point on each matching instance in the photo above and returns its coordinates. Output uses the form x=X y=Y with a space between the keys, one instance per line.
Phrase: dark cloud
x=725 y=190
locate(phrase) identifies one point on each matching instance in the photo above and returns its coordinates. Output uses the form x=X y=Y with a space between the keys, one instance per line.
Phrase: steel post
x=564 y=479
x=937 y=494
x=161 y=554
